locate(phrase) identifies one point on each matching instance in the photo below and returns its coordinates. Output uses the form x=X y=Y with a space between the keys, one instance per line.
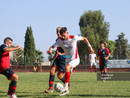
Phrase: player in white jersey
x=93 y=60
x=69 y=44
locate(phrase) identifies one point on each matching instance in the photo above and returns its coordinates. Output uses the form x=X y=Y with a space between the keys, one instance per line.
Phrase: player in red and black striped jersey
x=5 y=65
x=58 y=65
x=103 y=54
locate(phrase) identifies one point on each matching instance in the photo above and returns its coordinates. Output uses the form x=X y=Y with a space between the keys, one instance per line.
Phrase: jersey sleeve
x=78 y=37
x=3 y=47
x=98 y=52
x=57 y=43
x=107 y=51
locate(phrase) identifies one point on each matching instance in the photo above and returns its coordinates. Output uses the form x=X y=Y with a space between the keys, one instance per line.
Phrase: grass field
x=32 y=85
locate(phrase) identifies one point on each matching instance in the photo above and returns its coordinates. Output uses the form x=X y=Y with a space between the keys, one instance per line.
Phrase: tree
x=39 y=56
x=111 y=47
x=17 y=57
x=129 y=50
x=29 y=47
x=121 y=51
x=51 y=55
x=94 y=28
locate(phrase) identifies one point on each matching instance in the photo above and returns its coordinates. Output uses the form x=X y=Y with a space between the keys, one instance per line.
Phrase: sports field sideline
x=83 y=84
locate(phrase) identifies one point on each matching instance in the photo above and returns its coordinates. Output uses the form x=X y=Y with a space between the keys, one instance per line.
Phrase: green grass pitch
x=83 y=84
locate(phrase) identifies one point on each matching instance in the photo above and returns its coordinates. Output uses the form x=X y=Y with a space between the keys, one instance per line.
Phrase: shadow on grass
x=43 y=95
x=87 y=95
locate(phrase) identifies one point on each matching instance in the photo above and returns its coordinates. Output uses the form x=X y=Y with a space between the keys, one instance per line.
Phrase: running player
x=5 y=65
x=58 y=64
x=103 y=54
x=93 y=60
x=69 y=44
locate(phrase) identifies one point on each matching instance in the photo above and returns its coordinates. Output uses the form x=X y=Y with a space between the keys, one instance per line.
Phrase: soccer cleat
x=48 y=91
x=64 y=91
x=13 y=96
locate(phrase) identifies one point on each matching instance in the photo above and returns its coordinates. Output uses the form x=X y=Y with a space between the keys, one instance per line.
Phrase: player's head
x=102 y=44
x=64 y=33
x=8 y=41
x=58 y=31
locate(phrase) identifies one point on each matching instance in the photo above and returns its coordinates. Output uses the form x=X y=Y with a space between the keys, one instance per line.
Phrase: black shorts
x=8 y=73
x=103 y=66
x=59 y=64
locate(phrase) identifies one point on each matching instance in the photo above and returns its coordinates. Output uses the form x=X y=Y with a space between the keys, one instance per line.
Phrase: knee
x=60 y=76
x=67 y=68
x=52 y=72
x=15 y=77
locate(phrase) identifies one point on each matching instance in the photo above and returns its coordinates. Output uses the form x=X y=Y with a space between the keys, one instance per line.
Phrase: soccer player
x=58 y=64
x=69 y=44
x=103 y=54
x=93 y=60
x=5 y=65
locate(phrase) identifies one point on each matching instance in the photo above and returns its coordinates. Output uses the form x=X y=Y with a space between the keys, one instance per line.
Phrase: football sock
x=12 y=87
x=67 y=78
x=9 y=91
x=51 y=81
x=90 y=69
x=95 y=69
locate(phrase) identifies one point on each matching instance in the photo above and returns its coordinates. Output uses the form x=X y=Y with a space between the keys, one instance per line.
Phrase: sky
x=45 y=15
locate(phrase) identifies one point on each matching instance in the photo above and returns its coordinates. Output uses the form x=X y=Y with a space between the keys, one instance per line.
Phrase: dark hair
x=102 y=42
x=63 y=30
x=7 y=38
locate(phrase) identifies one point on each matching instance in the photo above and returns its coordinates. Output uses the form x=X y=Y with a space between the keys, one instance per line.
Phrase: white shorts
x=73 y=63
x=93 y=63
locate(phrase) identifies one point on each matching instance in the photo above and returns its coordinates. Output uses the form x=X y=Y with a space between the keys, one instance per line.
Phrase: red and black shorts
x=59 y=64
x=104 y=65
x=8 y=73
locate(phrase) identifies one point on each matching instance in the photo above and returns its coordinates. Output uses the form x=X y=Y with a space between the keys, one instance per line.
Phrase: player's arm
x=96 y=59
x=87 y=42
x=89 y=59
x=59 y=53
x=50 y=49
x=56 y=54
x=11 y=49
x=54 y=57
x=106 y=58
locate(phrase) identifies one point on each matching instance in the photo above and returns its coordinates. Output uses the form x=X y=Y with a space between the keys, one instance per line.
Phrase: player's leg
x=61 y=69
x=68 y=67
x=13 y=83
x=91 y=66
x=60 y=75
x=95 y=67
x=51 y=77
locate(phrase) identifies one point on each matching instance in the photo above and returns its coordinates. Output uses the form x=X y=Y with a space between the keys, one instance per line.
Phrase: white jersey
x=92 y=57
x=69 y=46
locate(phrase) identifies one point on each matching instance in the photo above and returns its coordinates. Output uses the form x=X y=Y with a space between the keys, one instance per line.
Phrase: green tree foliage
x=111 y=47
x=121 y=51
x=17 y=57
x=29 y=47
x=39 y=56
x=94 y=28
x=129 y=50
x=51 y=55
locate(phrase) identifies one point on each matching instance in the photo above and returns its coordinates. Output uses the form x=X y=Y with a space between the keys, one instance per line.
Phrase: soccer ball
x=58 y=87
